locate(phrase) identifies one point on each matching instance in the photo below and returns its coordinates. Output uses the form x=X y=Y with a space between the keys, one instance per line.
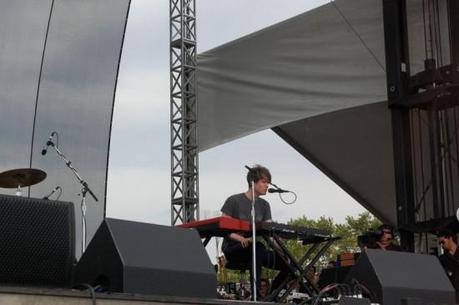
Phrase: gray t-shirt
x=240 y=207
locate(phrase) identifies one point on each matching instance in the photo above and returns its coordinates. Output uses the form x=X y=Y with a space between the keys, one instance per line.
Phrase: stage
x=42 y=296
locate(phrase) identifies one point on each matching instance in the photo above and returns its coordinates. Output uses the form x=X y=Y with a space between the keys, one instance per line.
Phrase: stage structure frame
x=422 y=107
x=183 y=112
x=423 y=103
x=396 y=46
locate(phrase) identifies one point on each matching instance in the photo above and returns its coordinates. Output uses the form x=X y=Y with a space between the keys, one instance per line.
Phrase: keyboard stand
x=297 y=271
x=273 y=234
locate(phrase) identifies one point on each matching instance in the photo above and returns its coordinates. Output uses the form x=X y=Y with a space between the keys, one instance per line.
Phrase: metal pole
x=254 y=246
x=397 y=73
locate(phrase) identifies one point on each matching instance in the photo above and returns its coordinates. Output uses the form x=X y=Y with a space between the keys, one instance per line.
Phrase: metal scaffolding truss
x=424 y=109
x=183 y=111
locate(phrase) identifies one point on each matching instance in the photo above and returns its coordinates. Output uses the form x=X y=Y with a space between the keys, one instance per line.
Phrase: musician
x=450 y=257
x=311 y=275
x=264 y=289
x=237 y=247
x=385 y=237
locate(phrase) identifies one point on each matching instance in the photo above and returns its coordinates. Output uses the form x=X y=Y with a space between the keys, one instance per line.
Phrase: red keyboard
x=222 y=226
x=218 y=226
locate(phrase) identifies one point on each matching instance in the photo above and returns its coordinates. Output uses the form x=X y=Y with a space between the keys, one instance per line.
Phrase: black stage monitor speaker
x=133 y=257
x=37 y=241
x=398 y=277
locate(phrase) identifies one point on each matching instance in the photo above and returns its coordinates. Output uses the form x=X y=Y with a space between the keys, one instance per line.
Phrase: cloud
x=137 y=194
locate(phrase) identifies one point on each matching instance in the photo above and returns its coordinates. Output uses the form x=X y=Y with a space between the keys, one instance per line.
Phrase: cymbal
x=21 y=177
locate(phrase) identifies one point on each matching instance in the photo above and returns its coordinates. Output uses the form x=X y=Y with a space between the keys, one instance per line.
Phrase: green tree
x=296 y=247
x=347 y=231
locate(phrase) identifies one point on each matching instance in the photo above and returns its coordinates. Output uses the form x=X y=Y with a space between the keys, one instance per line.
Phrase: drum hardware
x=21 y=177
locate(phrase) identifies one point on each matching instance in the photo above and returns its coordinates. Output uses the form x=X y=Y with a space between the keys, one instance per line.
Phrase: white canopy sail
x=318 y=80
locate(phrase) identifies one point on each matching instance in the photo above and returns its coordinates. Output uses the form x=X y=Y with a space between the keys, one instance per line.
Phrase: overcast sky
x=139 y=172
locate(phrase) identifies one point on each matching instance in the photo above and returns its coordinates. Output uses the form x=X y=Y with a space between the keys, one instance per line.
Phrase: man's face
x=310 y=273
x=386 y=236
x=264 y=288
x=261 y=186
x=446 y=243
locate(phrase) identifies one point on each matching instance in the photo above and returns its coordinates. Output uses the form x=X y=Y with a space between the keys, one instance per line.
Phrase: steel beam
x=397 y=73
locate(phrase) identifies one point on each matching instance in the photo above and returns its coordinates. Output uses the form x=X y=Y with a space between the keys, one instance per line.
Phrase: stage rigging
x=424 y=107
x=183 y=112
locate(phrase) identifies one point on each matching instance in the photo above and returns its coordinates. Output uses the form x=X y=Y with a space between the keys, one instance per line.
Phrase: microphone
x=272 y=190
x=249 y=168
x=52 y=192
x=48 y=143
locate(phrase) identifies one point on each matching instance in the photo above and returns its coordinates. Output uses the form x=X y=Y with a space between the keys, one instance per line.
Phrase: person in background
x=384 y=239
x=311 y=275
x=450 y=257
x=264 y=289
x=331 y=264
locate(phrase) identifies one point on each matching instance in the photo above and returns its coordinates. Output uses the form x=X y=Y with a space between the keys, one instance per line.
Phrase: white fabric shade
x=319 y=81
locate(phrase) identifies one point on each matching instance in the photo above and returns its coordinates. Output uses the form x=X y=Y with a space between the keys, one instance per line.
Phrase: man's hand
x=245 y=242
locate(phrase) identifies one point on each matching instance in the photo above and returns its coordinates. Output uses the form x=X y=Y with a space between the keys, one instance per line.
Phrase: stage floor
x=13 y=295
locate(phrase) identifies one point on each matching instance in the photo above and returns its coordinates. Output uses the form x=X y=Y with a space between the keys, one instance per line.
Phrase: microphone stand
x=254 y=235
x=84 y=190
x=254 y=248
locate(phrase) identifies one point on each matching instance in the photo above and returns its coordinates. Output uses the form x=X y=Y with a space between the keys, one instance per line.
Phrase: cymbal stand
x=18 y=190
x=84 y=191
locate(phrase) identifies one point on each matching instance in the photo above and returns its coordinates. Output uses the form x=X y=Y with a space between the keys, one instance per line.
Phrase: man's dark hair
x=264 y=280
x=386 y=227
x=446 y=233
x=382 y=228
x=257 y=173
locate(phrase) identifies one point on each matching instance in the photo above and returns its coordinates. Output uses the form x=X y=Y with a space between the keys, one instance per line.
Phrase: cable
x=91 y=291
x=359 y=37
x=429 y=10
x=425 y=31
x=364 y=288
x=280 y=192
x=37 y=95
x=57 y=188
x=40 y=73
x=438 y=38
x=57 y=138
x=60 y=193
x=288 y=203
x=343 y=289
x=356 y=288
x=327 y=288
